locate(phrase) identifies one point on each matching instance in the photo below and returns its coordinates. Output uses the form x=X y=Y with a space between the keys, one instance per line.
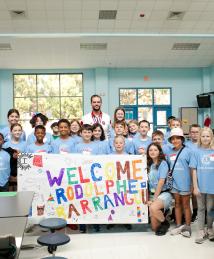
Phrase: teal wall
x=186 y=83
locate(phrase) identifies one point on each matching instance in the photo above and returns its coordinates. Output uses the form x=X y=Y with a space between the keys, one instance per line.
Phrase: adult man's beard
x=96 y=109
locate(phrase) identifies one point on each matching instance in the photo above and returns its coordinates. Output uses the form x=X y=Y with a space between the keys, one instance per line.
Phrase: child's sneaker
x=201 y=237
x=186 y=231
x=176 y=230
x=210 y=233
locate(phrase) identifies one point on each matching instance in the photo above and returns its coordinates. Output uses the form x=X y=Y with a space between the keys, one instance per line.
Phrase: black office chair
x=53 y=239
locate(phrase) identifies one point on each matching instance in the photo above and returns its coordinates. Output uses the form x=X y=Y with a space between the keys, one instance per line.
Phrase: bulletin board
x=189 y=116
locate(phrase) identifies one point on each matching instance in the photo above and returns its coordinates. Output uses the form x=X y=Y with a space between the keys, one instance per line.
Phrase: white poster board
x=86 y=189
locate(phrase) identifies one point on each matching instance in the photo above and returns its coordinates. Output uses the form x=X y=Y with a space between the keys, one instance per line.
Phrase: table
x=14 y=213
x=15 y=205
x=14 y=226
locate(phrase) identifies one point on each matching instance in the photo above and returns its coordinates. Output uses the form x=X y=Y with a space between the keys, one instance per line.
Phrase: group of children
x=190 y=163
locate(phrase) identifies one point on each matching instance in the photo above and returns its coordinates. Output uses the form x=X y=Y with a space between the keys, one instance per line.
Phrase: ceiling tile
x=127 y=5
x=163 y=5
x=207 y=16
x=106 y=24
x=145 y=5
x=90 y=15
x=158 y=15
x=122 y=24
x=92 y=5
x=198 y=6
x=54 y=4
x=4 y=15
x=89 y=23
x=55 y=15
x=210 y=6
x=72 y=15
x=125 y=15
x=72 y=5
x=108 y=5
x=16 y=5
x=72 y=24
x=3 y=5
x=37 y=15
x=35 y=5
x=192 y=16
x=180 y=6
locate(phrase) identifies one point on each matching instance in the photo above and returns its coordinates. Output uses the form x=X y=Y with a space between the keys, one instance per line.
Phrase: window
x=55 y=95
x=152 y=104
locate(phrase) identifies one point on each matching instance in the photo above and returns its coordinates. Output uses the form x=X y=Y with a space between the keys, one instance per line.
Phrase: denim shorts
x=166 y=198
x=179 y=192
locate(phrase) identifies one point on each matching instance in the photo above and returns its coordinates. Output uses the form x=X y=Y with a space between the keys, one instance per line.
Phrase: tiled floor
x=140 y=243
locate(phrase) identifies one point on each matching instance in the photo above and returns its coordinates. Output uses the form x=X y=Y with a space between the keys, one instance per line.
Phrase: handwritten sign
x=87 y=189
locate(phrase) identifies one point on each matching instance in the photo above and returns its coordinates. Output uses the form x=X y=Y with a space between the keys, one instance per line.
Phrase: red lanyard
x=97 y=119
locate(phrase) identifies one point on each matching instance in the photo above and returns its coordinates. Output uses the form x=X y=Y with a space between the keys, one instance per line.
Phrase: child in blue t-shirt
x=194 y=131
x=75 y=131
x=158 y=138
x=19 y=146
x=64 y=144
x=161 y=197
x=39 y=146
x=203 y=183
x=133 y=128
x=119 y=149
x=87 y=146
x=4 y=167
x=55 y=130
x=172 y=123
x=119 y=129
x=99 y=139
x=119 y=145
x=181 y=181
x=13 y=117
x=16 y=142
x=192 y=143
x=142 y=141
x=39 y=119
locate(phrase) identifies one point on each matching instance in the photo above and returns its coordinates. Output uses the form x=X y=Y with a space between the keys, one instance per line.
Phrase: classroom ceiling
x=50 y=33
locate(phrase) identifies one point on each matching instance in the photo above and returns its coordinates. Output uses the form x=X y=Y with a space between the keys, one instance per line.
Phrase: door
x=160 y=117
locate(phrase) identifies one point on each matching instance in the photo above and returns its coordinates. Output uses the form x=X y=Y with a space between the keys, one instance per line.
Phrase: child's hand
x=15 y=154
x=196 y=192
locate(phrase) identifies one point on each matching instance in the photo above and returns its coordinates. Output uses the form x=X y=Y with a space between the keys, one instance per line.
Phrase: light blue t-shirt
x=166 y=149
x=138 y=142
x=166 y=137
x=77 y=139
x=21 y=146
x=47 y=139
x=191 y=145
x=181 y=173
x=7 y=134
x=156 y=174
x=203 y=162
x=129 y=147
x=33 y=148
x=87 y=148
x=63 y=146
x=103 y=146
x=4 y=167
x=135 y=135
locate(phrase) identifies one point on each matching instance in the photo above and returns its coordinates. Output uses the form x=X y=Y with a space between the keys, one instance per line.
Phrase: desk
x=14 y=214
x=14 y=226
x=16 y=205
